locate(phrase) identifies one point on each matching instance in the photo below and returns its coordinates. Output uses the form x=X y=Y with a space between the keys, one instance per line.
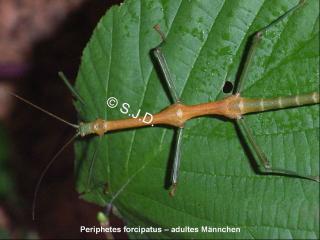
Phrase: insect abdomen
x=261 y=104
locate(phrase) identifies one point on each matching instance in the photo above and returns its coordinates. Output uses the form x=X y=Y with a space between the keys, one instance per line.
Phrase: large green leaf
x=205 y=44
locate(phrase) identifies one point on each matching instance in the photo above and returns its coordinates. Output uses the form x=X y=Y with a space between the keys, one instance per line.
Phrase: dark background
x=35 y=137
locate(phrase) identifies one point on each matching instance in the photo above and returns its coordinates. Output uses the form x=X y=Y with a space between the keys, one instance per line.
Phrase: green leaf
x=205 y=45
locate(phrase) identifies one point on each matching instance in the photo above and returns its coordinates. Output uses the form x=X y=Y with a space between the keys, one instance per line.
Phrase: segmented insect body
x=259 y=105
x=176 y=115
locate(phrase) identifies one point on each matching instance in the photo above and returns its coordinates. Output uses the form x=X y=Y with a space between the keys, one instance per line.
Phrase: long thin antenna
x=92 y=163
x=41 y=109
x=45 y=171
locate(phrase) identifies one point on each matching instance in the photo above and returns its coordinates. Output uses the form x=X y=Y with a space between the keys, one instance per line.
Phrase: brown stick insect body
x=233 y=107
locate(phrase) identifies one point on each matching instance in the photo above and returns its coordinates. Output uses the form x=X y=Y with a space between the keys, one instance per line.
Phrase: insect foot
x=173 y=190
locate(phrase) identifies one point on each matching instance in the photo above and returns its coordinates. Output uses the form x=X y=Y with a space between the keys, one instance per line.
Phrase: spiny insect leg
x=264 y=165
x=176 y=161
x=255 y=43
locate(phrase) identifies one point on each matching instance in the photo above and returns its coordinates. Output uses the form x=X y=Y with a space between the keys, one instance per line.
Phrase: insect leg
x=176 y=162
x=175 y=97
x=264 y=165
x=74 y=92
x=164 y=67
x=166 y=73
x=254 y=44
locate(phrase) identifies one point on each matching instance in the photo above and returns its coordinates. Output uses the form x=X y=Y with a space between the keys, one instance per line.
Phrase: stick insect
x=233 y=107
